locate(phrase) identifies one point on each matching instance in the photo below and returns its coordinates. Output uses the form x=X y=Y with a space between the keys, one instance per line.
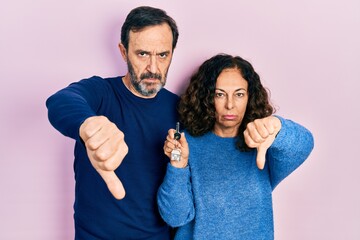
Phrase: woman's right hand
x=171 y=143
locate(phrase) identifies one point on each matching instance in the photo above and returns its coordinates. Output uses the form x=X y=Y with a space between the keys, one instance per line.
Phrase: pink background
x=307 y=52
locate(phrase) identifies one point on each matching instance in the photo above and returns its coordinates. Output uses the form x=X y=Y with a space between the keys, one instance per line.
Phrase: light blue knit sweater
x=222 y=194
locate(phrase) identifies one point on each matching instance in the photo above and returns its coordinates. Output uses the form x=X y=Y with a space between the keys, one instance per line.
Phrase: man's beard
x=146 y=89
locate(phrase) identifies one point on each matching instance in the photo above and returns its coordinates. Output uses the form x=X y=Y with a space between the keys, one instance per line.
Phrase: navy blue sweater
x=144 y=122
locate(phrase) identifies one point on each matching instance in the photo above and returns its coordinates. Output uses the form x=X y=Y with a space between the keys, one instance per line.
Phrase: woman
x=221 y=188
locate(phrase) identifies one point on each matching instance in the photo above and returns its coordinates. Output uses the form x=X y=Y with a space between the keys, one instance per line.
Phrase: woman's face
x=231 y=97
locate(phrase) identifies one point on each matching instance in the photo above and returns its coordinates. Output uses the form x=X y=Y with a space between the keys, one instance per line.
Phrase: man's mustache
x=150 y=75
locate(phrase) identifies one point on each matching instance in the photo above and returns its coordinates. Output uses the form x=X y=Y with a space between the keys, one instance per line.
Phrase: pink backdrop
x=307 y=52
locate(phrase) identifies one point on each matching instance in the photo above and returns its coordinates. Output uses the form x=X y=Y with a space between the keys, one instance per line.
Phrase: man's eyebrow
x=147 y=52
x=165 y=52
x=142 y=51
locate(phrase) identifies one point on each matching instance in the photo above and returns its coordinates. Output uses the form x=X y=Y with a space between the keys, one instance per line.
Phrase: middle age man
x=120 y=125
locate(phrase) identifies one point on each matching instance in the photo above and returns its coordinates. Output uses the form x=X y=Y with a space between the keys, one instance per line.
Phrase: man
x=119 y=125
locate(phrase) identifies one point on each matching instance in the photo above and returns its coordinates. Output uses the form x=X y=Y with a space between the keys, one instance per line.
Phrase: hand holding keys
x=176 y=148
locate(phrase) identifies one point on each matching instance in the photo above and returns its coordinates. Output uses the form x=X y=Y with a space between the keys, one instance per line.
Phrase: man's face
x=148 y=57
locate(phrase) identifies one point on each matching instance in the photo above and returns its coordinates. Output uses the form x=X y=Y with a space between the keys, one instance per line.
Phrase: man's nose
x=153 y=64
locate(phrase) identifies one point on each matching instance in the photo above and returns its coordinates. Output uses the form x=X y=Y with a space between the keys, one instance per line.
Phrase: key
x=176 y=153
x=177 y=134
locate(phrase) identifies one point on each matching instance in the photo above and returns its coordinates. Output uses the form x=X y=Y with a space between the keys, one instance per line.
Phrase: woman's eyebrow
x=239 y=89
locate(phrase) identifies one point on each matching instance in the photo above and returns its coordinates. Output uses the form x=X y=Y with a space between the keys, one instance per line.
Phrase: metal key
x=177 y=134
x=176 y=153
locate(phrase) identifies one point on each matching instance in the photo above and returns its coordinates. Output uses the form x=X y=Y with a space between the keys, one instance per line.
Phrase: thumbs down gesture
x=106 y=149
x=260 y=134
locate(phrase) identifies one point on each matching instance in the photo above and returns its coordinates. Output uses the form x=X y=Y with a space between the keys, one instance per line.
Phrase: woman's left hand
x=260 y=134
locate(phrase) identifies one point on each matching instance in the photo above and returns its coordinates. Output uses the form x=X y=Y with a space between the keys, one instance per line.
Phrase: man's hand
x=261 y=134
x=106 y=149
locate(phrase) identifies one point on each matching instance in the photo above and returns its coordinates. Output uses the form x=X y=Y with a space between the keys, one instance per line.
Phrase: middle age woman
x=234 y=152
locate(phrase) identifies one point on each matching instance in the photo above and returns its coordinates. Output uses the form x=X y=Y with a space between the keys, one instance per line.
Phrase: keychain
x=176 y=153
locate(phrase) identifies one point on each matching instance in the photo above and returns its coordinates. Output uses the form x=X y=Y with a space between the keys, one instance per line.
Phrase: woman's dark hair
x=145 y=16
x=197 y=109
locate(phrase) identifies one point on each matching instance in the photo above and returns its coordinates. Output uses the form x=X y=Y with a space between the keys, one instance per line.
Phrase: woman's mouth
x=229 y=117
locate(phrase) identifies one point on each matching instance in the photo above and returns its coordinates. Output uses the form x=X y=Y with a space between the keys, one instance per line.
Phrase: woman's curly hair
x=197 y=109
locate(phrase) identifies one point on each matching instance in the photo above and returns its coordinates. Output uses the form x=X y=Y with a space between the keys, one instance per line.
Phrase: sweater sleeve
x=175 y=199
x=290 y=149
x=69 y=107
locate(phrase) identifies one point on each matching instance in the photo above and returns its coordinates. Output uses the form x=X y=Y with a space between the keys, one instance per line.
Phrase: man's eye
x=163 y=55
x=142 y=54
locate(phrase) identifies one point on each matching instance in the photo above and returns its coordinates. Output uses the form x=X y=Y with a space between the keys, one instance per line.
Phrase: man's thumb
x=113 y=183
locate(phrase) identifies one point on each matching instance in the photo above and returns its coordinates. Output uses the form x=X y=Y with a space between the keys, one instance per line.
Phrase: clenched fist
x=106 y=149
x=260 y=134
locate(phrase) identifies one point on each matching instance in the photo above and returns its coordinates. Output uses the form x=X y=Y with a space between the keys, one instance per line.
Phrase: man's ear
x=123 y=51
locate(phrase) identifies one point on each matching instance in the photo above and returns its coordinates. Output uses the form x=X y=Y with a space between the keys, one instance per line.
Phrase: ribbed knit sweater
x=145 y=123
x=222 y=194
